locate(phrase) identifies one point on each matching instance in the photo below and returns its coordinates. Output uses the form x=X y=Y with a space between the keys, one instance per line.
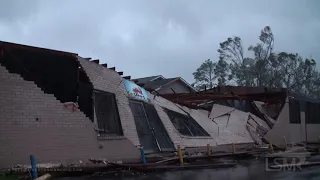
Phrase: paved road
x=244 y=171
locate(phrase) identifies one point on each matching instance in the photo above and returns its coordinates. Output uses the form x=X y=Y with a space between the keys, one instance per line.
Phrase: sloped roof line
x=161 y=86
x=159 y=76
x=184 y=81
x=147 y=79
x=10 y=44
x=175 y=79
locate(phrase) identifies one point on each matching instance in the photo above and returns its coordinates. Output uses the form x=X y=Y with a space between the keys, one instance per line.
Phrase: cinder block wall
x=32 y=122
x=108 y=80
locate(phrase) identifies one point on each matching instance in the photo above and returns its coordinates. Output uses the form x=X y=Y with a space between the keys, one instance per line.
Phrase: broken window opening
x=273 y=110
x=312 y=113
x=294 y=112
x=107 y=114
x=185 y=124
x=152 y=134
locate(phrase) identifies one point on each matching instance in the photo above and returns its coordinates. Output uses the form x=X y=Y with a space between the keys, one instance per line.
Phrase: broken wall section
x=35 y=123
x=108 y=80
x=285 y=132
x=237 y=126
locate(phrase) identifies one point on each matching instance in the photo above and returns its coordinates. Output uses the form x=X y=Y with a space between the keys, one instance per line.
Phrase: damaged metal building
x=63 y=108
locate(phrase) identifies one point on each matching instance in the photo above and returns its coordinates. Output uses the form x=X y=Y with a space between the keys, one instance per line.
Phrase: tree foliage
x=210 y=74
x=205 y=75
x=262 y=68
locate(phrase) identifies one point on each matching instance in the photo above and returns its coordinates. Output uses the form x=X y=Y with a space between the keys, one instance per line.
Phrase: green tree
x=205 y=75
x=264 y=68
x=241 y=69
x=221 y=71
x=263 y=55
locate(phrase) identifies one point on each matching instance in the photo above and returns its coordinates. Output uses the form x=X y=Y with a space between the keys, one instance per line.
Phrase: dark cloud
x=17 y=10
x=165 y=37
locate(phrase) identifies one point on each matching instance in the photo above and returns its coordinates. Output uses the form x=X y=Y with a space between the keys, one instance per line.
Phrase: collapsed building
x=284 y=117
x=63 y=108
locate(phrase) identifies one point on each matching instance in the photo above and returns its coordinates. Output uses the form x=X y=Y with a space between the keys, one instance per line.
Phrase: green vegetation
x=263 y=68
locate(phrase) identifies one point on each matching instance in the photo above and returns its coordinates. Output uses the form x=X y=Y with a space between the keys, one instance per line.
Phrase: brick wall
x=32 y=122
x=108 y=80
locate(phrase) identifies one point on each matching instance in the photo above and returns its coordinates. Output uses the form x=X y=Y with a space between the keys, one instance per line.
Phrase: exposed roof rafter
x=96 y=61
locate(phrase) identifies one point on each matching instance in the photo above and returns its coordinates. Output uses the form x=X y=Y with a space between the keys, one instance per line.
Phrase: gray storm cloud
x=165 y=37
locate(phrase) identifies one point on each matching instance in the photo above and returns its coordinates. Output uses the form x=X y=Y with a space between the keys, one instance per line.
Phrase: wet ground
x=244 y=171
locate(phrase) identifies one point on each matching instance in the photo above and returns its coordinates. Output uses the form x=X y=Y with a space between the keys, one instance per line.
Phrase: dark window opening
x=312 y=113
x=158 y=128
x=107 y=114
x=144 y=130
x=152 y=134
x=294 y=112
x=185 y=124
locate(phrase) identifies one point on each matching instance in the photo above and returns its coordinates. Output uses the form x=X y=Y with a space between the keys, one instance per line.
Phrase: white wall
x=281 y=128
x=293 y=133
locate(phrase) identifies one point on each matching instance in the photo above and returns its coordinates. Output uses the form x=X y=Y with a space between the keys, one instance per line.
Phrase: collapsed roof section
x=55 y=72
x=236 y=126
x=229 y=114
x=269 y=114
x=155 y=83
x=205 y=99
x=225 y=125
x=239 y=114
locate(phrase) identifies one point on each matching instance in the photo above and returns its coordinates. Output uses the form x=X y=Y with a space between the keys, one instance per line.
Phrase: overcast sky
x=167 y=37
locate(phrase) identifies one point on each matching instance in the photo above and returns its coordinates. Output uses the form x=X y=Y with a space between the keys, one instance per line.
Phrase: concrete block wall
x=108 y=80
x=32 y=122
